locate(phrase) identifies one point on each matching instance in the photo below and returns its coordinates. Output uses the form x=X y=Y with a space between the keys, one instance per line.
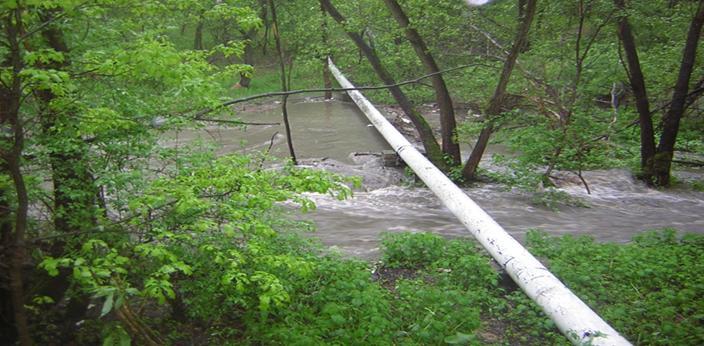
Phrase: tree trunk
x=327 y=81
x=248 y=57
x=8 y=332
x=11 y=154
x=198 y=39
x=671 y=120
x=327 y=78
x=442 y=96
x=12 y=159
x=635 y=76
x=469 y=170
x=74 y=190
x=431 y=146
x=75 y=193
x=267 y=27
x=284 y=83
x=521 y=13
x=251 y=36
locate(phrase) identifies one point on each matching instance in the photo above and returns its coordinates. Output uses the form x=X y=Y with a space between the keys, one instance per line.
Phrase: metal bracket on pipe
x=579 y=323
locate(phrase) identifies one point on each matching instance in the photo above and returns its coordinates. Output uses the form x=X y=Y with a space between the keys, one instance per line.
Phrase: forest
x=108 y=236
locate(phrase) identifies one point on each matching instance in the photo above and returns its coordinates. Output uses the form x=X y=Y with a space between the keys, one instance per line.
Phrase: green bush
x=428 y=291
x=650 y=290
x=411 y=250
x=338 y=305
x=430 y=313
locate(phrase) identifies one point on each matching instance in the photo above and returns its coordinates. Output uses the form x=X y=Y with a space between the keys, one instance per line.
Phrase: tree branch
x=304 y=91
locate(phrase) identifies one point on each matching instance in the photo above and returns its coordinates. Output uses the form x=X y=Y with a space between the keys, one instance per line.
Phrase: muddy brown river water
x=619 y=207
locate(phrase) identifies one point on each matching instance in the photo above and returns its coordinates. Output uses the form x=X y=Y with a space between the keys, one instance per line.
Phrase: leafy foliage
x=650 y=290
x=149 y=233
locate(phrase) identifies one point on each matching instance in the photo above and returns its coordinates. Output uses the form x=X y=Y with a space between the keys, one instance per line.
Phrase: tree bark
x=442 y=96
x=75 y=193
x=671 y=120
x=284 y=83
x=521 y=14
x=198 y=39
x=267 y=26
x=635 y=76
x=469 y=170
x=431 y=146
x=8 y=332
x=74 y=190
x=248 y=57
x=11 y=153
x=327 y=78
x=251 y=36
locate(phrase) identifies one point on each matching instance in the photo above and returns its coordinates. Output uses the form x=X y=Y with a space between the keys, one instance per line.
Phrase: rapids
x=328 y=133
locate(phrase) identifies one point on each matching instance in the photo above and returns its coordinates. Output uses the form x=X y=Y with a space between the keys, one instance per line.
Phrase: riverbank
x=334 y=136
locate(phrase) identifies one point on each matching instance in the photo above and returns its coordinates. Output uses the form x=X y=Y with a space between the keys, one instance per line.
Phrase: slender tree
x=494 y=109
x=74 y=190
x=671 y=120
x=284 y=81
x=442 y=96
x=248 y=56
x=198 y=36
x=656 y=162
x=250 y=37
x=327 y=77
x=430 y=144
x=637 y=80
x=11 y=150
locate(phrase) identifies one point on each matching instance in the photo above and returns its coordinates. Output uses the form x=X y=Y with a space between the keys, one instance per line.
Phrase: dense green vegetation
x=426 y=290
x=108 y=235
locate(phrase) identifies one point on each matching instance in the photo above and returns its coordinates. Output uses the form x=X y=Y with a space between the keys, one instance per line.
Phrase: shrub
x=650 y=290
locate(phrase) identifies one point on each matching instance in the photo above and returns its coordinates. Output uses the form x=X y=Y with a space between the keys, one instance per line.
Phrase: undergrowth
x=428 y=290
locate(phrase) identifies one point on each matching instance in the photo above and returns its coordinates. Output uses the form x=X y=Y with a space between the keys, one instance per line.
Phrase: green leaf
x=50 y=265
x=107 y=306
x=117 y=336
x=459 y=339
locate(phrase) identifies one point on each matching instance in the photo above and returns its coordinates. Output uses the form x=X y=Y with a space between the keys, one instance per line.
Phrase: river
x=325 y=134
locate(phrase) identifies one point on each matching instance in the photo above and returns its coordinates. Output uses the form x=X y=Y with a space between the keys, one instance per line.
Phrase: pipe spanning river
x=618 y=207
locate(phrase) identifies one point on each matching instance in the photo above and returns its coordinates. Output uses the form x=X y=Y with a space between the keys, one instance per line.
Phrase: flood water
x=319 y=129
x=619 y=207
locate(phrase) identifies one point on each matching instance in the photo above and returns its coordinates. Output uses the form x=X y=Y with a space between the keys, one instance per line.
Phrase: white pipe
x=575 y=319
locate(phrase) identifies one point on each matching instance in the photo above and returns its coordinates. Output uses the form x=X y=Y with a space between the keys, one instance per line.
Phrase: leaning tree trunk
x=635 y=76
x=671 y=120
x=431 y=146
x=521 y=13
x=469 y=170
x=442 y=96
